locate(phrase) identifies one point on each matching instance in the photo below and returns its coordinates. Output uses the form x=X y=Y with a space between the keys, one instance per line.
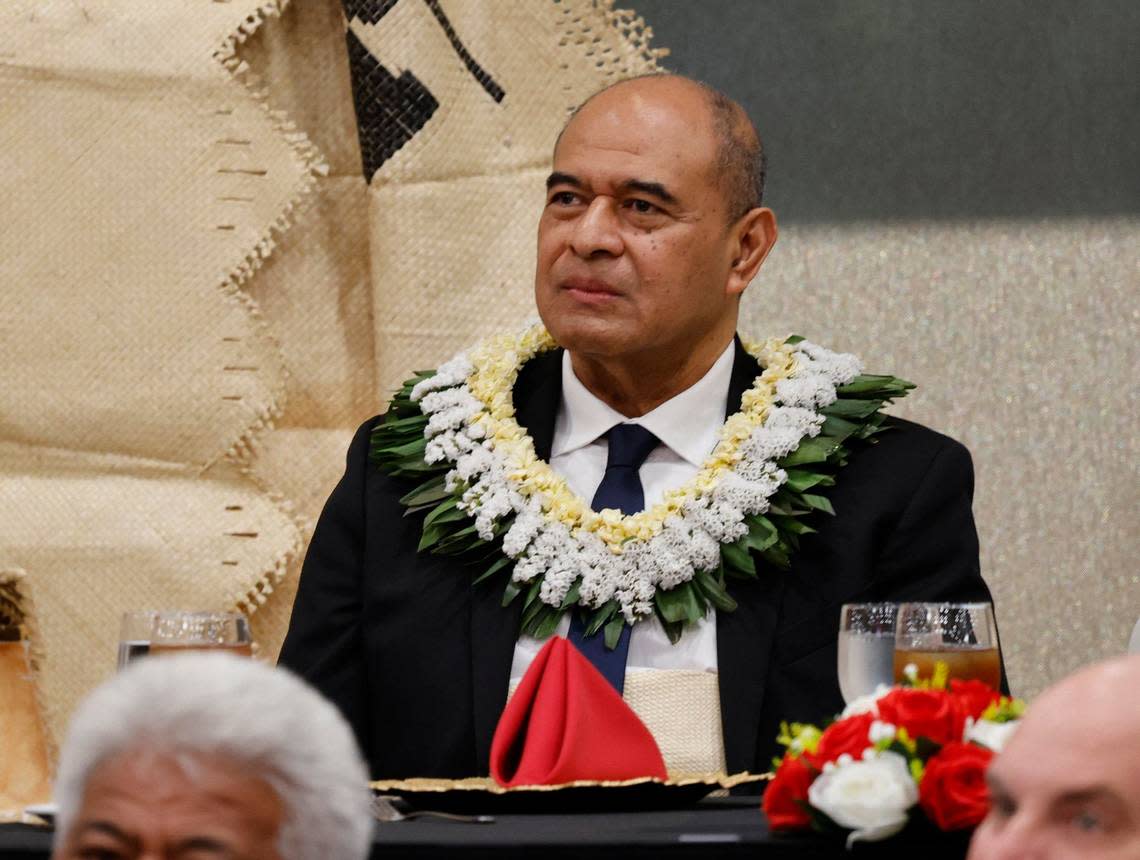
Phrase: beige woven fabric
x=143 y=183
x=453 y=213
x=681 y=709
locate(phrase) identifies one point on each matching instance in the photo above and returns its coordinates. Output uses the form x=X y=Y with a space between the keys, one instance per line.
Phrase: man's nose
x=598 y=230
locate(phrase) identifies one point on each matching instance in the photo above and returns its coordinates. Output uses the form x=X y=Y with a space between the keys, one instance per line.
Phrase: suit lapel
x=744 y=638
x=495 y=629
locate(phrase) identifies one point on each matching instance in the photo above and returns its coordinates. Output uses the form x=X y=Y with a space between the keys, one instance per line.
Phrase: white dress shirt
x=688 y=426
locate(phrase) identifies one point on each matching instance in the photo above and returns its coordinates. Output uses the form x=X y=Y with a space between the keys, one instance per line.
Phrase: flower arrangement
x=484 y=488
x=925 y=746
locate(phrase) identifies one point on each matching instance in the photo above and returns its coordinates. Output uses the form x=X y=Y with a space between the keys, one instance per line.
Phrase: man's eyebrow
x=1092 y=792
x=557 y=178
x=204 y=843
x=109 y=829
x=654 y=189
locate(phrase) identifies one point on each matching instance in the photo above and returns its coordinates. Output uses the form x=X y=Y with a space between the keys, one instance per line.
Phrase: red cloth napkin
x=566 y=723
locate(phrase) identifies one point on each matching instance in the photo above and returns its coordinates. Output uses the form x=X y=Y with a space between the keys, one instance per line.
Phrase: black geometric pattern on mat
x=389 y=110
x=371 y=11
x=368 y=11
x=484 y=79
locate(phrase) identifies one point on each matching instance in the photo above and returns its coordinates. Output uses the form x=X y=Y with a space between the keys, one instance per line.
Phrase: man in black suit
x=651 y=232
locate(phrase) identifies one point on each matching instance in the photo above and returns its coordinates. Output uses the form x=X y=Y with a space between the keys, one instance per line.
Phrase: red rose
x=849 y=736
x=931 y=714
x=953 y=791
x=786 y=796
x=973 y=697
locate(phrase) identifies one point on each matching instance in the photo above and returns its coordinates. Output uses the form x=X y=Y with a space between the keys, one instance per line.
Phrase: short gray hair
x=266 y=720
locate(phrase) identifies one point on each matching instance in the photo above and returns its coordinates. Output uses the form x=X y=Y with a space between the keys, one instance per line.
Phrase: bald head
x=740 y=165
x=1068 y=781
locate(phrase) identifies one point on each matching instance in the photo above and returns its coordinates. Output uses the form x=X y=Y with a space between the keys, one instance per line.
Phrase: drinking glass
x=134 y=636
x=961 y=635
x=866 y=647
x=179 y=632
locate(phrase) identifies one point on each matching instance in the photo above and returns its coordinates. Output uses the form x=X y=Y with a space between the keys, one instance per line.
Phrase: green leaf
x=430 y=536
x=866 y=383
x=532 y=605
x=458 y=541
x=499 y=564
x=613 y=631
x=849 y=408
x=410 y=422
x=801 y=479
x=446 y=512
x=545 y=623
x=737 y=557
x=795 y=526
x=411 y=465
x=679 y=604
x=673 y=629
x=814 y=450
x=837 y=429
x=510 y=592
x=761 y=532
x=778 y=556
x=793 y=339
x=714 y=591
x=431 y=490
x=572 y=595
x=600 y=617
x=820 y=503
x=415 y=447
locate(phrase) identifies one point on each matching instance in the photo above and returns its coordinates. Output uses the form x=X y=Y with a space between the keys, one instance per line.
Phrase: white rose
x=867 y=704
x=871 y=796
x=990 y=734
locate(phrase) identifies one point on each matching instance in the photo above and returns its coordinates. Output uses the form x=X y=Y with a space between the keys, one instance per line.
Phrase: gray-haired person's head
x=211 y=707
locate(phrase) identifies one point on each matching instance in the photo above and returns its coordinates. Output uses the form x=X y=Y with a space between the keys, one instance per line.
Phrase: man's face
x=1066 y=786
x=151 y=807
x=634 y=245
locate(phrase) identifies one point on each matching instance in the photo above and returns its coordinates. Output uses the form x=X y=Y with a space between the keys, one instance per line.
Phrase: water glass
x=134 y=636
x=866 y=647
x=177 y=632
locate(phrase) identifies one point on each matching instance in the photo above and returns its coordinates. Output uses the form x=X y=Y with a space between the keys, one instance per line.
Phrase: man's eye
x=1088 y=822
x=564 y=198
x=642 y=207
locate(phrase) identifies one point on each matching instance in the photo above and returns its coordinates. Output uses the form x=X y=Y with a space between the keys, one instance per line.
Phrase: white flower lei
x=555 y=535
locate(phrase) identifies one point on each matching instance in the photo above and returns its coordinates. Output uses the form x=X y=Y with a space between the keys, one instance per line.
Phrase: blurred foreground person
x=1067 y=785
x=210 y=756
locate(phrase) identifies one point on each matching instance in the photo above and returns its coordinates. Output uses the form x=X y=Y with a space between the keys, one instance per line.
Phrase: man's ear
x=755 y=234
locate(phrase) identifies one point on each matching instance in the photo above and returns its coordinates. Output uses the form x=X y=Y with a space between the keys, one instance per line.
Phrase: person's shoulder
x=905 y=445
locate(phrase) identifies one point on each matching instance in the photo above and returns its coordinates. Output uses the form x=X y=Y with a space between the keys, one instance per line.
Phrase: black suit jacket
x=418 y=658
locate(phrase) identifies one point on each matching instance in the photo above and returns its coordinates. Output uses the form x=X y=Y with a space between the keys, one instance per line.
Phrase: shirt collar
x=688 y=423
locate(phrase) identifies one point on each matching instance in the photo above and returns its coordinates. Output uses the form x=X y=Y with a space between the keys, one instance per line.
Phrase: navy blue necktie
x=621 y=489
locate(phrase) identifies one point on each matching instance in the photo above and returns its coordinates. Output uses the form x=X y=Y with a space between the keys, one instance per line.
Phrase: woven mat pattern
x=145 y=184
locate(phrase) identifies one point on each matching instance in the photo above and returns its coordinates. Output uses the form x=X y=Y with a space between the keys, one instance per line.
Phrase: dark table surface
x=727 y=827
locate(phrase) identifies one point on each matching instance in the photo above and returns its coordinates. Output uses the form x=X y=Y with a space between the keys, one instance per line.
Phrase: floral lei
x=489 y=497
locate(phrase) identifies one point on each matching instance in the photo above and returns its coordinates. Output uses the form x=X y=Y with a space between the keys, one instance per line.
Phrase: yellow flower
x=496 y=364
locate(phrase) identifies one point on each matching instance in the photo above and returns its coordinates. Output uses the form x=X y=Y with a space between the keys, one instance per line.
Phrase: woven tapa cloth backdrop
x=202 y=297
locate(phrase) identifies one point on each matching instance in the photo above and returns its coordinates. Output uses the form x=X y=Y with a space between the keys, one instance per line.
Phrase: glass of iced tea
x=961 y=635
x=182 y=632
